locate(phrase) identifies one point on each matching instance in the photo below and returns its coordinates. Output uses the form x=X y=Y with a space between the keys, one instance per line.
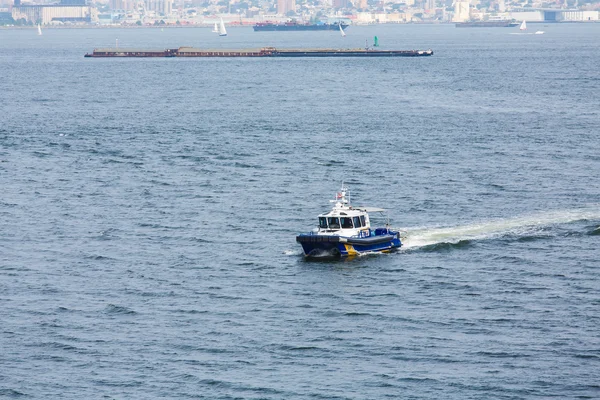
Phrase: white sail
x=523 y=26
x=39 y=30
x=222 y=30
x=342 y=31
x=216 y=28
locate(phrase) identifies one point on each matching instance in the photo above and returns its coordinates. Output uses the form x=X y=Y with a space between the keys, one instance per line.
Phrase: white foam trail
x=419 y=237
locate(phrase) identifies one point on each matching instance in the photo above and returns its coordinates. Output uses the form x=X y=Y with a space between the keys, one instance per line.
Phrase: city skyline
x=197 y=12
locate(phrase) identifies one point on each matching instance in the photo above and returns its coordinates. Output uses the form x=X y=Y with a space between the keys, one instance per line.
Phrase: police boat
x=346 y=231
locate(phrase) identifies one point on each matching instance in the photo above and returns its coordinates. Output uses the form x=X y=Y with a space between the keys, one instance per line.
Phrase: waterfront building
x=555 y=15
x=461 y=11
x=580 y=16
x=56 y=13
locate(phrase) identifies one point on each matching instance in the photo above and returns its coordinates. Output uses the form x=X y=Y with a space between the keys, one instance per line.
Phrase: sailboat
x=39 y=30
x=523 y=26
x=216 y=28
x=342 y=31
x=222 y=30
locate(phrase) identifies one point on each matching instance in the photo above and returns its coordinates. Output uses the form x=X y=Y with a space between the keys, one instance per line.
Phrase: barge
x=262 y=52
x=296 y=26
x=487 y=24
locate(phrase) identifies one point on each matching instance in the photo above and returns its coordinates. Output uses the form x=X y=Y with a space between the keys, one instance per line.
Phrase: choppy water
x=148 y=211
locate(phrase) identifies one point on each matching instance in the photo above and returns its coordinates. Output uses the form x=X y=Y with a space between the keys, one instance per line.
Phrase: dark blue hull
x=381 y=241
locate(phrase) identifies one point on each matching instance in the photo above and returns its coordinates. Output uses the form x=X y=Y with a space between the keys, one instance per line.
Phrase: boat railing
x=381 y=231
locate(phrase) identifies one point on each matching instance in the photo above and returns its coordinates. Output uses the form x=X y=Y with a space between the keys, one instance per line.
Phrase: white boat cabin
x=345 y=220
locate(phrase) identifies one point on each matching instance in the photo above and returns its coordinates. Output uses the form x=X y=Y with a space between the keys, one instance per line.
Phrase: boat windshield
x=357 y=223
x=323 y=222
x=346 y=222
x=334 y=222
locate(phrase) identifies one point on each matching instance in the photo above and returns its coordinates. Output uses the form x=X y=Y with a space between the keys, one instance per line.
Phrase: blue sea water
x=149 y=207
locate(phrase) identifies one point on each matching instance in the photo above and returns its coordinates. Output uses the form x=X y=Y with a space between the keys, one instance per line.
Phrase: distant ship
x=297 y=26
x=487 y=24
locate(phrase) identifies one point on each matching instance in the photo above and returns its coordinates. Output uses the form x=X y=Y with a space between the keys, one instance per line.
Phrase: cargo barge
x=487 y=24
x=296 y=26
x=263 y=52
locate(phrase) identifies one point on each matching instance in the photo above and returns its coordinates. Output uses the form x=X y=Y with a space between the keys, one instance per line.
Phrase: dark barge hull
x=487 y=24
x=297 y=27
x=356 y=53
x=264 y=52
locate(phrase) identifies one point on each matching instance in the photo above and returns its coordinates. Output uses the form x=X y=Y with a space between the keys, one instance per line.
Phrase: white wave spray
x=520 y=226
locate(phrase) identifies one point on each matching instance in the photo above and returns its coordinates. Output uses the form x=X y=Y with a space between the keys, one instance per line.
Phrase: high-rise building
x=164 y=7
x=285 y=6
x=461 y=11
x=341 y=3
x=430 y=5
x=124 y=5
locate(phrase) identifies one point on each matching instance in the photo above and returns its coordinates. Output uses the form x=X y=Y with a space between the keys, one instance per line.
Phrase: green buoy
x=375 y=42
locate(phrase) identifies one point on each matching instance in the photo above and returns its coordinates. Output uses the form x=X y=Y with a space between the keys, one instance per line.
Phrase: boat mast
x=344 y=191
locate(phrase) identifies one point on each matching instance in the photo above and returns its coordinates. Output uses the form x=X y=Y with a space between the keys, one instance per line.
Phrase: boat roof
x=342 y=212
x=350 y=211
x=370 y=209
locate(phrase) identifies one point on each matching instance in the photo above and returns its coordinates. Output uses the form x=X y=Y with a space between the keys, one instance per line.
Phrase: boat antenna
x=346 y=192
x=343 y=196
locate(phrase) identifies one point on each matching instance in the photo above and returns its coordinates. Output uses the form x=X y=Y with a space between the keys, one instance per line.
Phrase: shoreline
x=210 y=25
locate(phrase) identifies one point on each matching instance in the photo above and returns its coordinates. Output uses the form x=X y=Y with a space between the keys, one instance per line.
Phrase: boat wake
x=532 y=226
x=292 y=252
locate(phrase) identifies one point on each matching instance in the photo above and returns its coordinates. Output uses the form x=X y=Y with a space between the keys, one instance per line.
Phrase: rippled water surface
x=149 y=207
